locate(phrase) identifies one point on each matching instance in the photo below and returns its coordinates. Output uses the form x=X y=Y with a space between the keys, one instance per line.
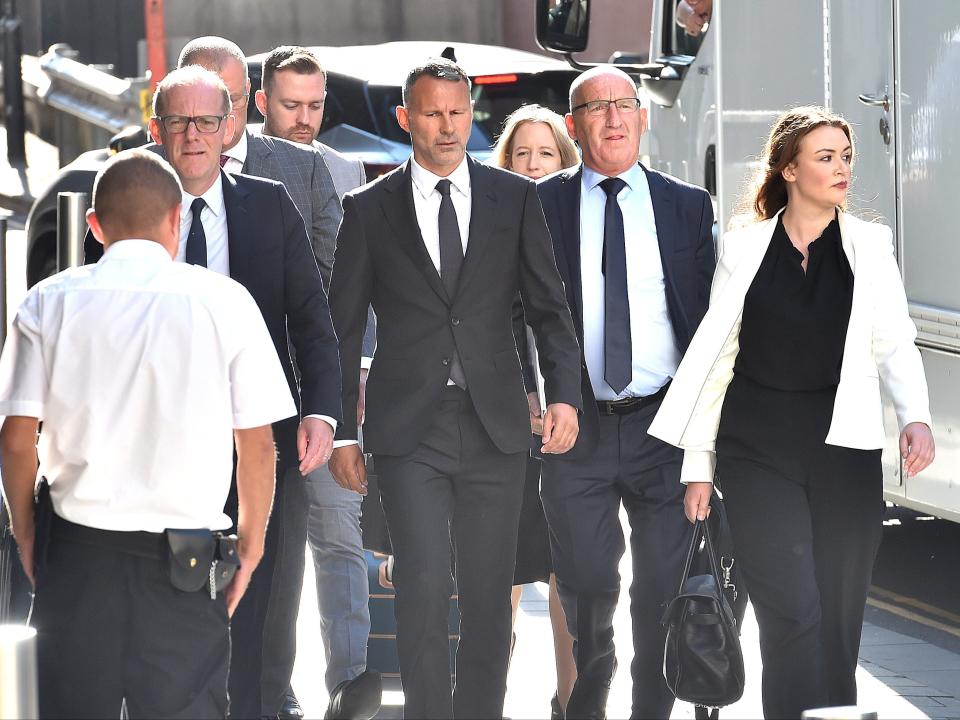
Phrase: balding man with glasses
x=635 y=251
x=249 y=229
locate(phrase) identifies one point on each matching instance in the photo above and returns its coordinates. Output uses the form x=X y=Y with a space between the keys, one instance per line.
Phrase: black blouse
x=795 y=323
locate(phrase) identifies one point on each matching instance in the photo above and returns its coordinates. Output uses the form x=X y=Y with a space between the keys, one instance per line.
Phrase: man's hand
x=314 y=443
x=26 y=558
x=560 y=428
x=916 y=447
x=249 y=559
x=348 y=469
x=696 y=501
x=362 y=395
x=536 y=413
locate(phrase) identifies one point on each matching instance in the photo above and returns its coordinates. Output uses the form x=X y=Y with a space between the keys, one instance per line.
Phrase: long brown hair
x=782 y=148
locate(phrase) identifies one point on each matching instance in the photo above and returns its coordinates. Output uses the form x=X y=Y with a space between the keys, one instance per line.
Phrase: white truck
x=892 y=68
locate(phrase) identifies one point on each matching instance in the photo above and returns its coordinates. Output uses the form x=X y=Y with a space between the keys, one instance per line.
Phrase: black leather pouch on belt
x=226 y=558
x=189 y=556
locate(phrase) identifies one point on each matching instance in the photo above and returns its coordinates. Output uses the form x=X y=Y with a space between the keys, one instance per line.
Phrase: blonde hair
x=534 y=114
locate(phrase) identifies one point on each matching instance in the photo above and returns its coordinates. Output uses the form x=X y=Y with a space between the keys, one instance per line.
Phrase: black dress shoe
x=357 y=699
x=290 y=709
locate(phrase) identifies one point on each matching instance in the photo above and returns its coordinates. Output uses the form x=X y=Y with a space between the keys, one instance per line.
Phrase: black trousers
x=283 y=606
x=110 y=627
x=456 y=485
x=249 y=620
x=582 y=500
x=806 y=520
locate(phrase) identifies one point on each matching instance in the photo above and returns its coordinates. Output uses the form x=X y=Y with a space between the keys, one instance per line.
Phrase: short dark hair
x=439 y=68
x=132 y=193
x=211 y=52
x=290 y=57
x=189 y=75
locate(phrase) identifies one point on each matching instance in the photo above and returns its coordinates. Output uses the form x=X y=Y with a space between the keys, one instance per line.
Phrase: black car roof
x=388 y=63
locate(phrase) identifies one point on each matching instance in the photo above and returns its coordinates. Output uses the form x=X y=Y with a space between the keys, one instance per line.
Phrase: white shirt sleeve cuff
x=365 y=363
x=344 y=443
x=326 y=418
x=698 y=466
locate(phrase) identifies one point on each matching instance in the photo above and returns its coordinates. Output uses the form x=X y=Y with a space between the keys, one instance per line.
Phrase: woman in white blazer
x=779 y=392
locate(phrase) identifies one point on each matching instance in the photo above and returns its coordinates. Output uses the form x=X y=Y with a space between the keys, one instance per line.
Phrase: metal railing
x=71 y=228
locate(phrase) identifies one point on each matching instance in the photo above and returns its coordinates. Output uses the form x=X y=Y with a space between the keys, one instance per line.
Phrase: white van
x=892 y=68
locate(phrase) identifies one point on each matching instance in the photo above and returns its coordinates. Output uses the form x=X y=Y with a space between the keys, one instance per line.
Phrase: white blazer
x=879 y=345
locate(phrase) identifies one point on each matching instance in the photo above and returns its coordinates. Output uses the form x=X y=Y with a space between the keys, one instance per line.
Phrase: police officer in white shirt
x=143 y=372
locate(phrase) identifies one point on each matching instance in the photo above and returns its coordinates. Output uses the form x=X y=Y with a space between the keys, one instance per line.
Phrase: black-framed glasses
x=177 y=124
x=600 y=107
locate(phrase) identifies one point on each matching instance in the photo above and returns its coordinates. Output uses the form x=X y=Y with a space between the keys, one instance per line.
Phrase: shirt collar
x=426 y=182
x=238 y=151
x=213 y=197
x=136 y=248
x=634 y=177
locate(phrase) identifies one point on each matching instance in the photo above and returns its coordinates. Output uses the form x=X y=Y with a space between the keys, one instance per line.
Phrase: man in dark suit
x=446 y=413
x=635 y=250
x=250 y=229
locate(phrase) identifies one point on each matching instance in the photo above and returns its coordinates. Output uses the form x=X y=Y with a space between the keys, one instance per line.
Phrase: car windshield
x=494 y=98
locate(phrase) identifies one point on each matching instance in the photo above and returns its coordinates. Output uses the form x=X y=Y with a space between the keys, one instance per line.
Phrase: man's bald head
x=599 y=71
x=211 y=52
x=134 y=195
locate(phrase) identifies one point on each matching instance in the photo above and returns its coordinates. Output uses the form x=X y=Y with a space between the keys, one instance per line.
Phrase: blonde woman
x=780 y=390
x=534 y=142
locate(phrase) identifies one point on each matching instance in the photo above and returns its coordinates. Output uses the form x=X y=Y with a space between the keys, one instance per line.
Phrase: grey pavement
x=899 y=676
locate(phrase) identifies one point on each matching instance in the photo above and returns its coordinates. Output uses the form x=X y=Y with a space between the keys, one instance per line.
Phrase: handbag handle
x=699 y=528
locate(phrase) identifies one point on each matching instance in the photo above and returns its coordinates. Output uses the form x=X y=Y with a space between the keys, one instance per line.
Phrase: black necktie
x=451 y=260
x=617 y=355
x=196 y=238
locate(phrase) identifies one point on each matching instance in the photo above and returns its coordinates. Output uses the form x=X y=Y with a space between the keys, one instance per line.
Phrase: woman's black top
x=795 y=323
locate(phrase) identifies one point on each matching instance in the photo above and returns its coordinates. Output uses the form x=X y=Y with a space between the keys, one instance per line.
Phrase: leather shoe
x=357 y=699
x=290 y=709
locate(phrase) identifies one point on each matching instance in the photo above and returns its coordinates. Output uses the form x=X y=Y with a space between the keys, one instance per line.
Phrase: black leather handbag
x=702 y=660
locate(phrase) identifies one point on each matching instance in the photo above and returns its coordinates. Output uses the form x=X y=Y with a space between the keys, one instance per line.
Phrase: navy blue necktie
x=197 y=239
x=617 y=345
x=451 y=260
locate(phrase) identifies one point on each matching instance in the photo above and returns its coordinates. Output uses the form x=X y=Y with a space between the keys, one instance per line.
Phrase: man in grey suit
x=306 y=177
x=291 y=102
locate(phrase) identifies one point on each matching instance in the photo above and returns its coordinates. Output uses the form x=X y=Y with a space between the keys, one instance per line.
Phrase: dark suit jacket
x=271 y=257
x=381 y=259
x=684 y=219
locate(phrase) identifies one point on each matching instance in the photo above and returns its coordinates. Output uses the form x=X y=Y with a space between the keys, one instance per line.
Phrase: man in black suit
x=635 y=250
x=446 y=413
x=249 y=229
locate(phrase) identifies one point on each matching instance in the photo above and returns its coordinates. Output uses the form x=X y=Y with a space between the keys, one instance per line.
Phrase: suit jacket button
x=446 y=361
x=455 y=320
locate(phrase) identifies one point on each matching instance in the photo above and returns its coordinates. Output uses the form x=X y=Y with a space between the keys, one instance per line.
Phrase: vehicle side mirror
x=563 y=25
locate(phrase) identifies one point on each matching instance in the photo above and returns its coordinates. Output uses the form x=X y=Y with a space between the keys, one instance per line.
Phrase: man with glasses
x=249 y=229
x=635 y=250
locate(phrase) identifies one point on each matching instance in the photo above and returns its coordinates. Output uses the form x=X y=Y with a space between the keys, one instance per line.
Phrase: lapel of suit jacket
x=398 y=206
x=483 y=208
x=665 y=219
x=238 y=240
x=569 y=214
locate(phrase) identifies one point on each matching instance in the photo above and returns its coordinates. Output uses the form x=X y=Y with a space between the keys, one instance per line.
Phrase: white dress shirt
x=426 y=203
x=654 y=348
x=214 y=220
x=140 y=369
x=237 y=155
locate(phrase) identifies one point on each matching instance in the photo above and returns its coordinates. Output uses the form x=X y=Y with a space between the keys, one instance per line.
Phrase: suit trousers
x=806 y=521
x=455 y=485
x=247 y=627
x=111 y=628
x=582 y=499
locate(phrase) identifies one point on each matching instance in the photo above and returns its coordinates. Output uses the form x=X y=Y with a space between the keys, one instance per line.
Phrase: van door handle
x=875 y=100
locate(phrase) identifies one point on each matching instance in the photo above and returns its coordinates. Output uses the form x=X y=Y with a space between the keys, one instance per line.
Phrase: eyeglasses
x=177 y=124
x=600 y=107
